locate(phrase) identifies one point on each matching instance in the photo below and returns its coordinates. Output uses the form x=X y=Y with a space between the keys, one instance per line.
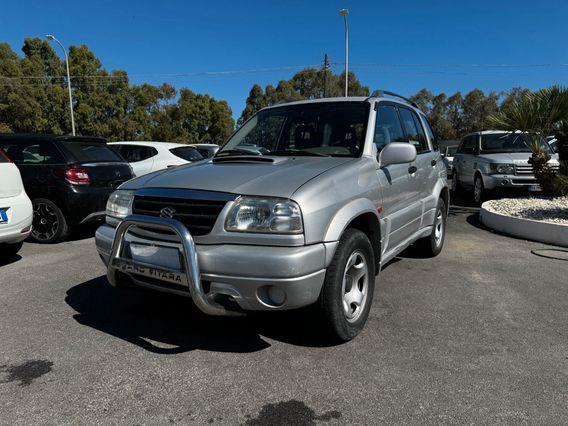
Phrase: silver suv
x=495 y=159
x=302 y=206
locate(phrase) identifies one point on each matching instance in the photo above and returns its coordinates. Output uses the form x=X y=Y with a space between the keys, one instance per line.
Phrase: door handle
x=412 y=169
x=433 y=163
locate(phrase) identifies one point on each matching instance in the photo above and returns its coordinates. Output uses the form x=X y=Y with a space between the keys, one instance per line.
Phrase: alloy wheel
x=45 y=222
x=439 y=228
x=355 y=286
x=477 y=189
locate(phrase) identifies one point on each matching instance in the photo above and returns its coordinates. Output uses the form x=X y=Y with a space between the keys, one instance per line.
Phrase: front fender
x=345 y=215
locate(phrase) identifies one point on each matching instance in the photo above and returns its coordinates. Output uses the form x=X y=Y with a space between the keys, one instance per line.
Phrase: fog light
x=277 y=295
x=26 y=229
x=504 y=182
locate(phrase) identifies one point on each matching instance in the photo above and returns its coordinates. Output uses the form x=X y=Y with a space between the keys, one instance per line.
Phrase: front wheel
x=49 y=224
x=479 y=192
x=347 y=294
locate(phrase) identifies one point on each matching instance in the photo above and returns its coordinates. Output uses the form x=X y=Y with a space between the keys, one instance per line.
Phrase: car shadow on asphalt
x=167 y=324
x=8 y=260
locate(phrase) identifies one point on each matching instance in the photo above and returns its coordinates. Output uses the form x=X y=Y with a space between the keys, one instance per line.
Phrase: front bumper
x=255 y=277
x=509 y=181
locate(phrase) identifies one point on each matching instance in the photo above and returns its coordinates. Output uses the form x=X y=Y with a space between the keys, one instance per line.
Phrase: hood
x=512 y=157
x=274 y=176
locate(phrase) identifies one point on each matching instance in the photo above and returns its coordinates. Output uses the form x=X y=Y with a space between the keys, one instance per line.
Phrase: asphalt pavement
x=476 y=335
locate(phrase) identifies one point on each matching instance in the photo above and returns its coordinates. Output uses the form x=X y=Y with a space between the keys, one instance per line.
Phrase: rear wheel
x=347 y=294
x=49 y=224
x=432 y=245
x=10 y=249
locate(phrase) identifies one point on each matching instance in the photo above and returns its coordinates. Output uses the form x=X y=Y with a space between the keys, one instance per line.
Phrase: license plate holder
x=535 y=188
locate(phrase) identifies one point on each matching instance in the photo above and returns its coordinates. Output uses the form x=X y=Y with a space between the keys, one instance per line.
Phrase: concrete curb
x=544 y=232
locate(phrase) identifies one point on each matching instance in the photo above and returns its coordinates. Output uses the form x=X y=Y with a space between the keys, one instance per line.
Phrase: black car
x=68 y=179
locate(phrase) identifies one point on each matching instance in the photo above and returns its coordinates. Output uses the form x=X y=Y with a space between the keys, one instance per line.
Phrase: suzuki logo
x=167 y=212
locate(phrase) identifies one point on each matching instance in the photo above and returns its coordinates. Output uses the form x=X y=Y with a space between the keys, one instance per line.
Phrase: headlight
x=119 y=204
x=265 y=215
x=502 y=169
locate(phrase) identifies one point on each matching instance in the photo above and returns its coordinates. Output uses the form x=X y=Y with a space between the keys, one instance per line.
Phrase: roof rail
x=381 y=93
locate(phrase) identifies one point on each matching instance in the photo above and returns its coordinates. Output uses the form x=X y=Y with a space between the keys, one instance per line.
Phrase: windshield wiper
x=297 y=152
x=236 y=151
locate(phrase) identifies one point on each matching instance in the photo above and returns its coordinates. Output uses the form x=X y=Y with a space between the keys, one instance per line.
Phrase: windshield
x=86 y=151
x=511 y=142
x=321 y=129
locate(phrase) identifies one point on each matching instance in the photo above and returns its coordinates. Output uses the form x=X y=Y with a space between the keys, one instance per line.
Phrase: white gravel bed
x=545 y=209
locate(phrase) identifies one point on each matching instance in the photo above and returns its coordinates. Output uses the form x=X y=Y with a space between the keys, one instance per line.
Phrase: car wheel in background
x=479 y=193
x=347 y=293
x=49 y=224
x=456 y=188
x=9 y=250
x=432 y=245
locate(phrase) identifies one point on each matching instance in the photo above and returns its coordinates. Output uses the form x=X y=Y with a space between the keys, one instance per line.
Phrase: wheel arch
x=359 y=214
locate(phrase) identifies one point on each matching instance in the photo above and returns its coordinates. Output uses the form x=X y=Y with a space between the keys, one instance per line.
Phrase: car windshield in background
x=510 y=142
x=187 y=153
x=451 y=151
x=320 y=129
x=96 y=152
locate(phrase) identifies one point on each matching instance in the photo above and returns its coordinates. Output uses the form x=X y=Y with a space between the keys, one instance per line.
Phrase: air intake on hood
x=242 y=159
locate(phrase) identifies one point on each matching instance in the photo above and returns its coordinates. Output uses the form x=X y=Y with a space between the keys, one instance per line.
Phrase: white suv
x=16 y=211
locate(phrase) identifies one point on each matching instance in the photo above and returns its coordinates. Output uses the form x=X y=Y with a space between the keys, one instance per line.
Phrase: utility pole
x=344 y=13
x=325 y=69
x=52 y=38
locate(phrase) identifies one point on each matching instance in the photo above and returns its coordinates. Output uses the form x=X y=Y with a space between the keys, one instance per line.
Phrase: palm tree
x=540 y=114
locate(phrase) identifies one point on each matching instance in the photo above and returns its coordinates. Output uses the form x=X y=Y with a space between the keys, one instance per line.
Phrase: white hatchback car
x=16 y=211
x=147 y=156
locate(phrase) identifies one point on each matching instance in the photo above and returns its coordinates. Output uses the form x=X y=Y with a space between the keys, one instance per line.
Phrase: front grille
x=523 y=169
x=197 y=215
x=527 y=170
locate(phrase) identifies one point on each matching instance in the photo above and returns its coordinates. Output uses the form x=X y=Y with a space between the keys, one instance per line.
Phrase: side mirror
x=397 y=153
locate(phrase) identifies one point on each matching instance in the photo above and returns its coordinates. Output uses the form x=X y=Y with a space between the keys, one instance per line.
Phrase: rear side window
x=135 y=153
x=86 y=151
x=3 y=157
x=187 y=153
x=468 y=145
x=413 y=129
x=32 y=152
x=387 y=127
x=430 y=133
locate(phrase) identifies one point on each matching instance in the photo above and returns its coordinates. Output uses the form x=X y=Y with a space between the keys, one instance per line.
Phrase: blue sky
x=152 y=40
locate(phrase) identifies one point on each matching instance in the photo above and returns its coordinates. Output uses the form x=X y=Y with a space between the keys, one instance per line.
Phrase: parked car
x=343 y=185
x=493 y=159
x=15 y=208
x=146 y=157
x=68 y=179
x=448 y=157
x=207 y=150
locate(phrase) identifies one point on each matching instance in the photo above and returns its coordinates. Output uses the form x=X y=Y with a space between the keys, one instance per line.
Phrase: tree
x=306 y=84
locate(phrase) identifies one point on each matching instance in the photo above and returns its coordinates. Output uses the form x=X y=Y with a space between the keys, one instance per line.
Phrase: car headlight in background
x=264 y=215
x=502 y=169
x=119 y=204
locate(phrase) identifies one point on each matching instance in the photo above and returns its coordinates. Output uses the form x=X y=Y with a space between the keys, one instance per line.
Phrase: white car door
x=140 y=157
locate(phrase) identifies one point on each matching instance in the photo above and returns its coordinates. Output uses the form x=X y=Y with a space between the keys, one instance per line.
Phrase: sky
x=402 y=46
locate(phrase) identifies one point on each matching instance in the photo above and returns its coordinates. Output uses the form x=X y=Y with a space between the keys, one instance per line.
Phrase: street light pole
x=52 y=38
x=344 y=13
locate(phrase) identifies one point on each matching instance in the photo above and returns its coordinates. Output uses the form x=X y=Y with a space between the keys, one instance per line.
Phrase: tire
x=49 y=224
x=432 y=245
x=479 y=192
x=10 y=250
x=342 y=321
x=456 y=187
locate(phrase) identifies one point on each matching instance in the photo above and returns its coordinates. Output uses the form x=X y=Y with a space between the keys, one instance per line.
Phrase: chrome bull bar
x=189 y=255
